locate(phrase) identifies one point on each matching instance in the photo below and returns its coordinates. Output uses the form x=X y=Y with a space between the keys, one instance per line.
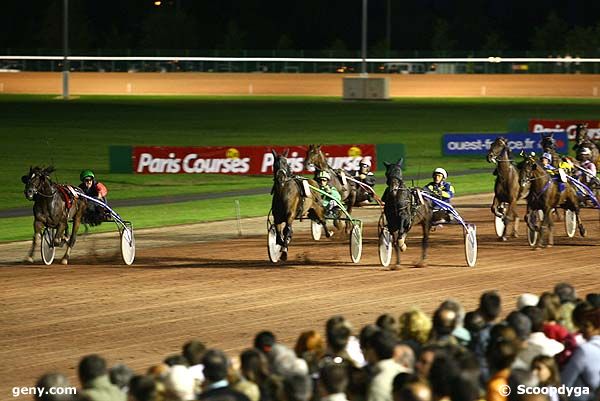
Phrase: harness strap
x=66 y=195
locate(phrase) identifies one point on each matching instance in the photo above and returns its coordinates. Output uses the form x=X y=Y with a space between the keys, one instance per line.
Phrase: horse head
x=315 y=158
x=548 y=143
x=393 y=175
x=37 y=181
x=528 y=168
x=499 y=145
x=281 y=167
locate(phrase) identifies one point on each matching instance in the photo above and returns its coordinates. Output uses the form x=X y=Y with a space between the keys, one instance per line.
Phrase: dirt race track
x=201 y=281
x=432 y=85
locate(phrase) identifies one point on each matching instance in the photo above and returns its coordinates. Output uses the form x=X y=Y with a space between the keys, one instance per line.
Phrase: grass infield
x=75 y=134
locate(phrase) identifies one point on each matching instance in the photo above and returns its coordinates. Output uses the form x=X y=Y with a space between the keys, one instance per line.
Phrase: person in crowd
x=179 y=384
x=521 y=377
x=408 y=387
x=353 y=348
x=538 y=343
x=425 y=360
x=527 y=299
x=568 y=298
x=216 y=386
x=95 y=383
x=142 y=388
x=193 y=351
x=120 y=375
x=310 y=346
x=584 y=366
x=297 y=387
x=546 y=370
x=490 y=307
x=444 y=324
x=282 y=360
x=414 y=327
x=387 y=322
x=333 y=383
x=404 y=355
x=521 y=324
x=380 y=352
x=501 y=353
x=55 y=380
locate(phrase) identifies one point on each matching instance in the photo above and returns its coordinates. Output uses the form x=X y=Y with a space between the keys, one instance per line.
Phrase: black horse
x=291 y=200
x=53 y=207
x=404 y=208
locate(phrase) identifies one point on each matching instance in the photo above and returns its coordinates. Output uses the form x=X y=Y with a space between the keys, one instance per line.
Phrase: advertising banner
x=240 y=159
x=479 y=144
x=540 y=126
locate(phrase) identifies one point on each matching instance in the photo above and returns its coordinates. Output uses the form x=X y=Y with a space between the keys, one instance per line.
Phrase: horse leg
x=395 y=240
x=549 y=223
x=514 y=217
x=582 y=230
x=59 y=236
x=424 y=244
x=402 y=242
x=37 y=236
x=71 y=243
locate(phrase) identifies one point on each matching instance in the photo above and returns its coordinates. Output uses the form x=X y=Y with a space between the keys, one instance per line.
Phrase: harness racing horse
x=50 y=209
x=290 y=201
x=582 y=140
x=315 y=157
x=507 y=190
x=545 y=195
x=403 y=208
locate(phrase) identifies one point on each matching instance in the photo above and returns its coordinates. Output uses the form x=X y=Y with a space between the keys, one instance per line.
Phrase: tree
x=551 y=35
x=234 y=37
x=169 y=29
x=441 y=42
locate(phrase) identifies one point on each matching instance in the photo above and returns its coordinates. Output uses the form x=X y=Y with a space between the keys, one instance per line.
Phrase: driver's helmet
x=441 y=171
x=585 y=152
x=547 y=156
x=324 y=175
x=365 y=163
x=85 y=174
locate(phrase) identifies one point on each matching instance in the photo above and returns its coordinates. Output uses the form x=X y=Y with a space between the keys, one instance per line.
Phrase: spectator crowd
x=548 y=345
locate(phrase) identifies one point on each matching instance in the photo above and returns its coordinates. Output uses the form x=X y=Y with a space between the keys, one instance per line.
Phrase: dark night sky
x=462 y=25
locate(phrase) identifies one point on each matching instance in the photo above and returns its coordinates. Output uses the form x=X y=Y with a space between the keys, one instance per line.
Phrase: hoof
x=330 y=234
x=283 y=256
x=421 y=264
x=503 y=239
x=402 y=247
x=515 y=235
x=583 y=232
x=394 y=267
x=29 y=259
x=64 y=262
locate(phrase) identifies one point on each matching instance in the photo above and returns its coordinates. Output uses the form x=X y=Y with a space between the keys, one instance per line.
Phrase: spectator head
x=297 y=387
x=414 y=325
x=264 y=341
x=593 y=299
x=215 y=365
x=464 y=388
x=443 y=370
x=444 y=322
x=310 y=341
x=333 y=379
x=410 y=388
x=381 y=346
x=254 y=365
x=284 y=362
x=503 y=347
x=425 y=360
x=536 y=316
x=179 y=384
x=457 y=308
x=120 y=375
x=334 y=321
x=550 y=305
x=490 y=305
x=566 y=293
x=158 y=372
x=520 y=377
x=142 y=388
x=91 y=367
x=193 y=351
x=546 y=371
x=387 y=322
x=580 y=309
x=176 y=359
x=338 y=336
x=590 y=323
x=404 y=356
x=55 y=380
x=474 y=322
x=527 y=299
x=365 y=335
x=520 y=323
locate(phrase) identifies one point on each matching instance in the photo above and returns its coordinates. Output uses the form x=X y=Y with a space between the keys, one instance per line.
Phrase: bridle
x=35 y=190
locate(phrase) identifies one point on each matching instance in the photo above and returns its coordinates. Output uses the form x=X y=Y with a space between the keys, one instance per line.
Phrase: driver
x=585 y=158
x=91 y=187
x=324 y=180
x=443 y=190
x=366 y=176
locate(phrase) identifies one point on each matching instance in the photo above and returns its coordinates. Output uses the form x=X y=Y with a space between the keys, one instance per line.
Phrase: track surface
x=432 y=85
x=199 y=281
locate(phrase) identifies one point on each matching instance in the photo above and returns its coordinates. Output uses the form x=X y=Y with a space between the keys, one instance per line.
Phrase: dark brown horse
x=403 y=209
x=50 y=209
x=582 y=140
x=545 y=195
x=507 y=189
x=291 y=201
x=315 y=157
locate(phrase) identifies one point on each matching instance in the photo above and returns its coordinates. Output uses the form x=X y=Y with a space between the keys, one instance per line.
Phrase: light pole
x=363 y=69
x=65 y=72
